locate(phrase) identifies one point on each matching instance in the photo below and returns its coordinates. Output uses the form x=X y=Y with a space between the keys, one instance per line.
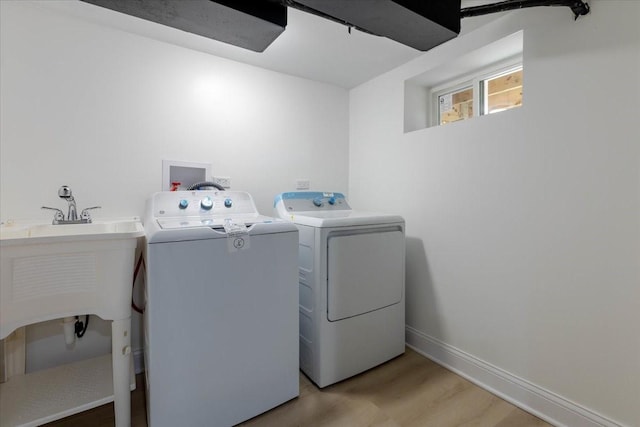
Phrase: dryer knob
x=317 y=201
x=183 y=204
x=228 y=203
x=206 y=203
x=332 y=200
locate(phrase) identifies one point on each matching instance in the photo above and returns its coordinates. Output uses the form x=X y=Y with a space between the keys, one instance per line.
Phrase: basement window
x=484 y=80
x=502 y=92
x=455 y=105
x=491 y=90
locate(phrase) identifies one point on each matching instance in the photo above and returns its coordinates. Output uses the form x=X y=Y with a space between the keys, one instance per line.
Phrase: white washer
x=351 y=276
x=221 y=322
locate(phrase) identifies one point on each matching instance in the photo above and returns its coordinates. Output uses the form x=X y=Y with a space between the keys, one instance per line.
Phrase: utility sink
x=54 y=271
x=51 y=271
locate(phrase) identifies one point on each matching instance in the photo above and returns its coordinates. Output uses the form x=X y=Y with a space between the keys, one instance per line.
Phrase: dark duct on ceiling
x=255 y=24
x=416 y=23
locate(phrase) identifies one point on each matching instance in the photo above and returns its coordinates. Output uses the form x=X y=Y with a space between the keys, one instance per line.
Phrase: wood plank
x=506 y=82
x=405 y=392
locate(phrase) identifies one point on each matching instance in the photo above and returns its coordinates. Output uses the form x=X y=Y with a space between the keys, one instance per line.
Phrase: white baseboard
x=542 y=403
x=138 y=361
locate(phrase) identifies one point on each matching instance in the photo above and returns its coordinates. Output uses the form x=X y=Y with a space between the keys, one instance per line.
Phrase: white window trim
x=473 y=80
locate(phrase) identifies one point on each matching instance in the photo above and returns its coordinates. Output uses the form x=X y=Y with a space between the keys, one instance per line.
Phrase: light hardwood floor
x=407 y=391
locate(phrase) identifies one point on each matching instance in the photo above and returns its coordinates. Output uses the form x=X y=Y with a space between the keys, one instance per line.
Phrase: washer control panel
x=208 y=203
x=305 y=201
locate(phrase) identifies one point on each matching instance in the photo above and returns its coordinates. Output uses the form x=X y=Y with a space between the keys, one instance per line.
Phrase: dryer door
x=365 y=271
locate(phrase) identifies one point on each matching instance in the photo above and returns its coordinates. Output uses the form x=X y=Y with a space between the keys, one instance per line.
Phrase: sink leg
x=13 y=350
x=121 y=355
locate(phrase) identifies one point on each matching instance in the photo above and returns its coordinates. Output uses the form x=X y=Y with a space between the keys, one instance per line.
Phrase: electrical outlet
x=224 y=181
x=303 y=184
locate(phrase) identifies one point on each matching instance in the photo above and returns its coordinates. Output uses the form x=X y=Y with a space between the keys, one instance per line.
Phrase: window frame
x=474 y=80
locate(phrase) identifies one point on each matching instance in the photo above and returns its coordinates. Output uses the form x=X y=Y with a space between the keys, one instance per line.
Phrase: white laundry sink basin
x=97 y=230
x=52 y=271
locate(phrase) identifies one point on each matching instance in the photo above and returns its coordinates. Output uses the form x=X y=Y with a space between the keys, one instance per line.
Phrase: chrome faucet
x=65 y=193
x=72 y=216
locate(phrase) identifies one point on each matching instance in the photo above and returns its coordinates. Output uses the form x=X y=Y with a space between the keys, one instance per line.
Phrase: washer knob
x=182 y=204
x=332 y=200
x=206 y=203
x=317 y=201
x=228 y=203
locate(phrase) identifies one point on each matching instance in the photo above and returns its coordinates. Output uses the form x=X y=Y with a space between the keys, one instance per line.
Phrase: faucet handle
x=85 y=213
x=57 y=217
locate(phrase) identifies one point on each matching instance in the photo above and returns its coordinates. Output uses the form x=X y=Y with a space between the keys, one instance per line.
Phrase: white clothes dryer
x=221 y=322
x=351 y=268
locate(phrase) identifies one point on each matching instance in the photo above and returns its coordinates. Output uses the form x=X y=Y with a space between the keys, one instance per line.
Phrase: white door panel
x=365 y=272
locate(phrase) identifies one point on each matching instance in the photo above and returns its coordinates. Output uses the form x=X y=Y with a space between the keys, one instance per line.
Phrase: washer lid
x=172 y=232
x=217 y=222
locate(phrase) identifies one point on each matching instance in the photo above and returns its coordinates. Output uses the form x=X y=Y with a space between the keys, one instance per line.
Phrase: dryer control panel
x=305 y=201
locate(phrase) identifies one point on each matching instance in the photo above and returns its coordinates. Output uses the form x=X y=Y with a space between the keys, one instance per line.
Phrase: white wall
x=98 y=109
x=523 y=228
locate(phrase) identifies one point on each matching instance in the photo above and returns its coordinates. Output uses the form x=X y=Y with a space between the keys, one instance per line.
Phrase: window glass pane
x=503 y=92
x=457 y=105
